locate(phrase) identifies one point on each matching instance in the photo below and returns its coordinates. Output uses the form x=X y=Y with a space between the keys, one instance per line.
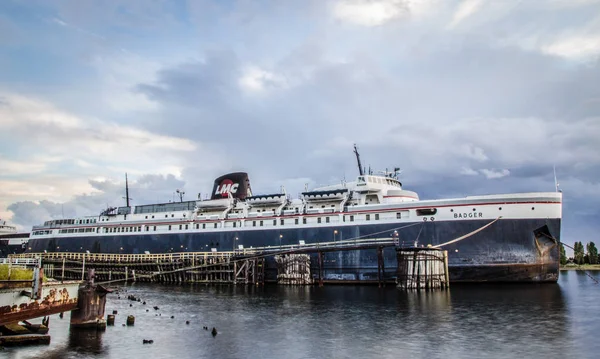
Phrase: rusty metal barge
x=23 y=300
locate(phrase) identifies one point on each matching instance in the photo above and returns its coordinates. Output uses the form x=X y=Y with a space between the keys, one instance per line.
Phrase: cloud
x=48 y=145
x=60 y=133
x=149 y=188
x=468 y=171
x=465 y=9
x=493 y=174
x=574 y=47
x=369 y=12
x=59 y=21
x=255 y=80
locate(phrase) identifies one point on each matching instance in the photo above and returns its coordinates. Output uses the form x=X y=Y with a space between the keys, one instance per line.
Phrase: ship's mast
x=126 y=191
x=360 y=169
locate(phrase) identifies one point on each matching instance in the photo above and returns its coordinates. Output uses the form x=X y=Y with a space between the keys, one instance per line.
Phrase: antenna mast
x=180 y=193
x=555 y=180
x=360 y=169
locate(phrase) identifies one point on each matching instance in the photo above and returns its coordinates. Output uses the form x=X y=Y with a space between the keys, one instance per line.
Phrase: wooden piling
x=422 y=268
x=293 y=269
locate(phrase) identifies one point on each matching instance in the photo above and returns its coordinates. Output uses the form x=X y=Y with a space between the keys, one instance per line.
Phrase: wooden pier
x=196 y=267
x=244 y=266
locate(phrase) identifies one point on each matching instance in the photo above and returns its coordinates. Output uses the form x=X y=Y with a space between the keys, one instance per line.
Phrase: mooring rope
x=387 y=230
x=467 y=235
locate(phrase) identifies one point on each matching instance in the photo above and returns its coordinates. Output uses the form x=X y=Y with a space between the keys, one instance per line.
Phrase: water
x=481 y=321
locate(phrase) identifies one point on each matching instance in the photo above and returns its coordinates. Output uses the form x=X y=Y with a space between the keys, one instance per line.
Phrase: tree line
x=581 y=255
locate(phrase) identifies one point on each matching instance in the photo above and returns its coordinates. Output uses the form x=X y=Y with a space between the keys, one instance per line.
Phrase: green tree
x=563 y=255
x=578 y=253
x=592 y=253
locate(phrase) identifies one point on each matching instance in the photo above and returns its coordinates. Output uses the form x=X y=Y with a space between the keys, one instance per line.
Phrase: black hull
x=510 y=250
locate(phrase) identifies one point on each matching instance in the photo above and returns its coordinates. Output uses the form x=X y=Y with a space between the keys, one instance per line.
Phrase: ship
x=11 y=241
x=489 y=238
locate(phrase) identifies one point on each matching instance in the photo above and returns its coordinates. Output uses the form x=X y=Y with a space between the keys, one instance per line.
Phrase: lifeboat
x=331 y=195
x=266 y=200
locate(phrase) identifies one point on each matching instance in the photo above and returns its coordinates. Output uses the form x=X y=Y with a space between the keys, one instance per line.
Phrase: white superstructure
x=370 y=199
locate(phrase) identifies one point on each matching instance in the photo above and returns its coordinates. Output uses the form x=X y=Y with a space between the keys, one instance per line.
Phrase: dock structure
x=422 y=269
x=187 y=267
x=243 y=266
x=25 y=299
x=35 y=297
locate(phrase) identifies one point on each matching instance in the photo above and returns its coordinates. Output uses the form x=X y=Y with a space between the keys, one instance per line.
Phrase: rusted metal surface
x=505 y=273
x=90 y=305
x=543 y=268
x=55 y=297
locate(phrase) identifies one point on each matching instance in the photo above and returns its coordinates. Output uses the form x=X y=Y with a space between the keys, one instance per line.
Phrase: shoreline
x=593 y=267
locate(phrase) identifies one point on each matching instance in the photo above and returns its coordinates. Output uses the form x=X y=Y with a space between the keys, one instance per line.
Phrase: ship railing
x=21 y=262
x=117 y=257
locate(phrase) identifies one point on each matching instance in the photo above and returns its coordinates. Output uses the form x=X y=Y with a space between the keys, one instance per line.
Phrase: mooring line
x=467 y=235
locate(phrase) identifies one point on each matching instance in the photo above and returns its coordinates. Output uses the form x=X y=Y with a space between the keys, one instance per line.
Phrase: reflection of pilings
x=320 y=269
x=422 y=268
x=380 y=268
x=293 y=269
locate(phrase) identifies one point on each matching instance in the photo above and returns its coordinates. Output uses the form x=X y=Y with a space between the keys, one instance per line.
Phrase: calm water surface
x=523 y=321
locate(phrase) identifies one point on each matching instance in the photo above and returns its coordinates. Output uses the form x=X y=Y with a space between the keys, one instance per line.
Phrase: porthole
x=499 y=208
x=474 y=209
x=532 y=208
x=451 y=210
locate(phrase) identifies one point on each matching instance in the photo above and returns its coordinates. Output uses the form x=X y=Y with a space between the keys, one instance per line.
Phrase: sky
x=467 y=97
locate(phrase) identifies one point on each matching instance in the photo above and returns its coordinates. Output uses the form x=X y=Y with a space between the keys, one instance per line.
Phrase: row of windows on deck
x=235 y=224
x=260 y=223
